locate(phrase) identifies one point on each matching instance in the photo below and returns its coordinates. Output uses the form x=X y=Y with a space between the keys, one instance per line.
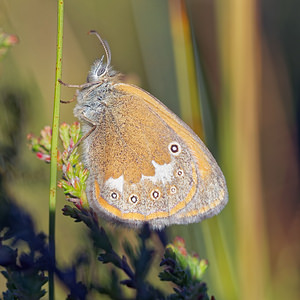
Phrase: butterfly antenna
x=105 y=46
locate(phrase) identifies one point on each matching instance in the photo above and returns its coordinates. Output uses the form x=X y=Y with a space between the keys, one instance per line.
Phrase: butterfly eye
x=101 y=71
x=173 y=189
x=134 y=199
x=98 y=69
x=174 y=148
x=155 y=194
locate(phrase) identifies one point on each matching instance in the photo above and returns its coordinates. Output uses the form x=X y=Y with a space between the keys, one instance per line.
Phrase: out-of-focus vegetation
x=232 y=65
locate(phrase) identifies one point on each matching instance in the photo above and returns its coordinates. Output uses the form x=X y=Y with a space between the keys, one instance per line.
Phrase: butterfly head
x=101 y=70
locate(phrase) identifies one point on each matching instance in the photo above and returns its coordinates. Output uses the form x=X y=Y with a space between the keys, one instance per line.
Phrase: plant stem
x=54 y=140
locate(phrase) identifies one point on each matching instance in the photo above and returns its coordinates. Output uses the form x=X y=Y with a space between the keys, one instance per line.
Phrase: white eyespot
x=155 y=194
x=174 y=148
x=133 y=198
x=179 y=173
x=173 y=189
x=114 y=195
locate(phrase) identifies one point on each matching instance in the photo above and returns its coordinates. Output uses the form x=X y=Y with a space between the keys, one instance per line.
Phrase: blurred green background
x=229 y=68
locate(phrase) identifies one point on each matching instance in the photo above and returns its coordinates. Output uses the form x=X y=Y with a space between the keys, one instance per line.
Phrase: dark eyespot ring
x=155 y=194
x=174 y=148
x=179 y=173
x=134 y=199
x=114 y=195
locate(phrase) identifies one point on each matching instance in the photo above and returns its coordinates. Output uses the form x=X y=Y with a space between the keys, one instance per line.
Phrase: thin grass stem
x=54 y=141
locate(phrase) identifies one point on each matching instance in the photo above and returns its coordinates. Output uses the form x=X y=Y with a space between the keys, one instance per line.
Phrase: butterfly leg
x=79 y=86
x=69 y=101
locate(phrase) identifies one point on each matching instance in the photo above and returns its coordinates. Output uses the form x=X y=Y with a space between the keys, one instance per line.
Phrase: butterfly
x=145 y=163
